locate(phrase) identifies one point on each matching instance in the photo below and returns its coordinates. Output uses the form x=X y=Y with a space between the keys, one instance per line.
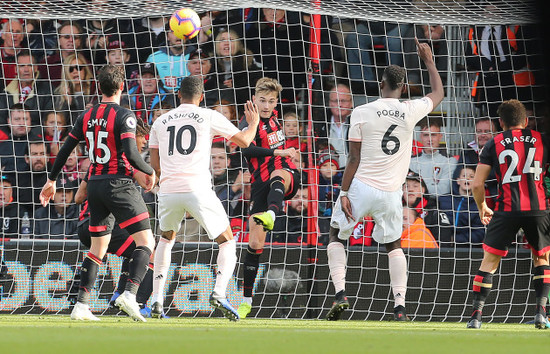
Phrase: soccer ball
x=185 y=23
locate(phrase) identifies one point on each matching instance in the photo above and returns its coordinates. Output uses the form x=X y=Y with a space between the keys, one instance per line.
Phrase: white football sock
x=337 y=264
x=163 y=256
x=398 y=275
x=247 y=300
x=272 y=213
x=227 y=259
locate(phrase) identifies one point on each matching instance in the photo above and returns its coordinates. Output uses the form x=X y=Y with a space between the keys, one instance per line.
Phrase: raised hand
x=424 y=51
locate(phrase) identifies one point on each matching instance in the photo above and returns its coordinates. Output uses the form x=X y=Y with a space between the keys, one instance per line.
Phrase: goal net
x=329 y=56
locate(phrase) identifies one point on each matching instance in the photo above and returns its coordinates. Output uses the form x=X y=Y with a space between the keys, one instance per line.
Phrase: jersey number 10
x=177 y=139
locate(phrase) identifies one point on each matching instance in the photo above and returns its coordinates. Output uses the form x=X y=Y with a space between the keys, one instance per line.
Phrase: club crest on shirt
x=275 y=139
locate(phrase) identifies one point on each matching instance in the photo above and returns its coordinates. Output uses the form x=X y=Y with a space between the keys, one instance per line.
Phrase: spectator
x=462 y=210
x=213 y=22
x=334 y=131
x=27 y=89
x=435 y=168
x=491 y=55
x=359 y=47
x=200 y=64
x=237 y=71
x=101 y=32
x=415 y=233
x=485 y=130
x=275 y=37
x=53 y=129
x=12 y=150
x=70 y=42
x=119 y=54
x=291 y=226
x=12 y=41
x=34 y=176
x=9 y=212
x=163 y=108
x=239 y=207
x=224 y=177
x=415 y=197
x=149 y=94
x=41 y=37
x=293 y=132
x=77 y=90
x=150 y=34
x=228 y=109
x=59 y=220
x=330 y=180
x=171 y=61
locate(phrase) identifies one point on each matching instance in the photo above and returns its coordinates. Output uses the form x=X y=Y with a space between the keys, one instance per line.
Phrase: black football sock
x=541 y=283
x=146 y=286
x=88 y=275
x=124 y=271
x=483 y=282
x=139 y=263
x=276 y=194
x=251 y=265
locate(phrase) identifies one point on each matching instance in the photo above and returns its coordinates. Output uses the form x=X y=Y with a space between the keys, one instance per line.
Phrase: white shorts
x=204 y=207
x=385 y=208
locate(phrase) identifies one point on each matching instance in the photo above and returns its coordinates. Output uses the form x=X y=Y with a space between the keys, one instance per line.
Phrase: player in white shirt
x=180 y=145
x=380 y=144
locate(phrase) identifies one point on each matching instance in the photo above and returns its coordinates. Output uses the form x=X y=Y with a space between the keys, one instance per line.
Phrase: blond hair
x=268 y=85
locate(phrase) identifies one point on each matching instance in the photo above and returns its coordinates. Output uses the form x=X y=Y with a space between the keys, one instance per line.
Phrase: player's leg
x=482 y=285
x=536 y=233
x=280 y=182
x=257 y=234
x=397 y=264
x=171 y=213
x=337 y=261
x=387 y=212
x=501 y=231
x=162 y=258
x=341 y=228
x=541 y=284
x=131 y=213
x=88 y=275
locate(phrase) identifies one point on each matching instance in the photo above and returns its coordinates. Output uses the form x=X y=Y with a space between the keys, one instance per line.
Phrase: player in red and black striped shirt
x=519 y=157
x=109 y=132
x=274 y=179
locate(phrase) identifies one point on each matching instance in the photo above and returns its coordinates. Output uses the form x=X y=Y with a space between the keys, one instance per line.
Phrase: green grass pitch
x=117 y=334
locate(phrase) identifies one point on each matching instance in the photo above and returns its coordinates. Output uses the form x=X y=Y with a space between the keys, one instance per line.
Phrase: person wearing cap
x=119 y=54
x=171 y=61
x=59 y=220
x=9 y=210
x=415 y=196
x=149 y=94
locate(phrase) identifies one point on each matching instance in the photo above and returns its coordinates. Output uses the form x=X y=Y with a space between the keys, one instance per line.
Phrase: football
x=185 y=23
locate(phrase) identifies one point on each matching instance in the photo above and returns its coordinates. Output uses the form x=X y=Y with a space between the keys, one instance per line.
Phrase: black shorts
x=121 y=244
x=502 y=230
x=260 y=190
x=119 y=198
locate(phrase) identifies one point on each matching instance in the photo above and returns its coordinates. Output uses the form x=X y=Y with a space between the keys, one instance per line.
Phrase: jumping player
x=180 y=146
x=519 y=157
x=380 y=144
x=109 y=132
x=274 y=178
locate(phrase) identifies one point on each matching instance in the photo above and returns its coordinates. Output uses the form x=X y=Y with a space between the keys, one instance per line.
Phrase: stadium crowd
x=47 y=78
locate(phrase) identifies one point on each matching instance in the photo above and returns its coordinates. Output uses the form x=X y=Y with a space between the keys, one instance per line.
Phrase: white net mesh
x=481 y=65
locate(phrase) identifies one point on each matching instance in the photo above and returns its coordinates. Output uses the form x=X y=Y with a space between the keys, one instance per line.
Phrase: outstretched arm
x=425 y=53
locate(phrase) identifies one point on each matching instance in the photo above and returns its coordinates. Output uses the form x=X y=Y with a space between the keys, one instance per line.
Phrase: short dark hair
x=512 y=113
x=220 y=145
x=25 y=53
x=191 y=87
x=110 y=77
x=394 y=75
x=142 y=128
